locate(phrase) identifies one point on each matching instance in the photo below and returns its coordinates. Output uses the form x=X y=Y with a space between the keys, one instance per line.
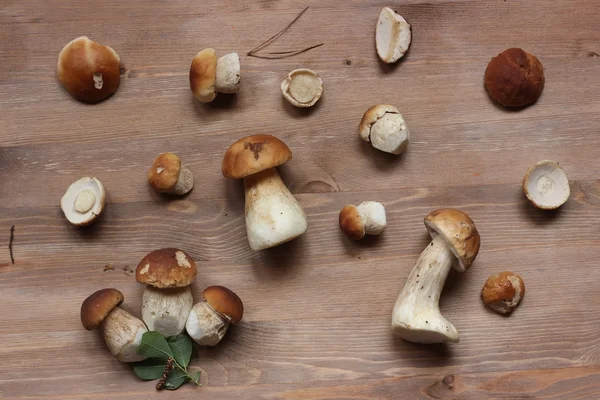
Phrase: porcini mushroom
x=83 y=201
x=416 y=316
x=209 y=75
x=169 y=175
x=392 y=36
x=273 y=215
x=209 y=320
x=122 y=331
x=546 y=185
x=167 y=299
x=502 y=292
x=383 y=126
x=88 y=70
x=368 y=218
x=302 y=87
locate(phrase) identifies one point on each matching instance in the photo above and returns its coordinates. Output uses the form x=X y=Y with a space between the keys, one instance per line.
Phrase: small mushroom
x=88 y=70
x=368 y=218
x=83 y=201
x=383 y=126
x=122 y=331
x=209 y=320
x=209 y=75
x=273 y=215
x=169 y=175
x=502 y=292
x=416 y=316
x=546 y=185
x=302 y=87
x=167 y=299
x=392 y=36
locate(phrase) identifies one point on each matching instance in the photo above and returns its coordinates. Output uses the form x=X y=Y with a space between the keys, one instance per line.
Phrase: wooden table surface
x=317 y=320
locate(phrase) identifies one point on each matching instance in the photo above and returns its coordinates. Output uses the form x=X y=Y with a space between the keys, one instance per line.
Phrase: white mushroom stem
x=228 y=74
x=166 y=310
x=206 y=326
x=273 y=215
x=373 y=217
x=123 y=334
x=416 y=316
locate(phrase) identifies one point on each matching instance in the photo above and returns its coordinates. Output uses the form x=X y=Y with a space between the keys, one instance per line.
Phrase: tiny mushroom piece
x=383 y=126
x=169 y=175
x=122 y=331
x=392 y=36
x=83 y=201
x=302 y=87
x=167 y=299
x=546 y=185
x=209 y=319
x=209 y=75
x=514 y=78
x=502 y=292
x=273 y=215
x=368 y=218
x=88 y=70
x=416 y=316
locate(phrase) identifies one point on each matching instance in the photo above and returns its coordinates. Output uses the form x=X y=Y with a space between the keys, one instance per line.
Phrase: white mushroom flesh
x=83 y=201
x=185 y=183
x=390 y=133
x=392 y=36
x=228 y=74
x=416 y=316
x=166 y=310
x=123 y=334
x=273 y=215
x=373 y=217
x=302 y=87
x=546 y=185
x=206 y=326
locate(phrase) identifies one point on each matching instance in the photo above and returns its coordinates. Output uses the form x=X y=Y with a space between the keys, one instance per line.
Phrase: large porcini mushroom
x=302 y=87
x=368 y=218
x=392 y=36
x=209 y=320
x=384 y=127
x=273 y=215
x=209 y=75
x=416 y=316
x=83 y=201
x=546 y=185
x=122 y=331
x=169 y=175
x=167 y=299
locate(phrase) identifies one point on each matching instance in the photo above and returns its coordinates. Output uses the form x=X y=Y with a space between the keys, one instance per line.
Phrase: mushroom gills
x=206 y=326
x=123 y=334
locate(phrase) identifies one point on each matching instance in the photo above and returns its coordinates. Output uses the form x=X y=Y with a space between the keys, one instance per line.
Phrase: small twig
x=281 y=32
x=284 y=54
x=10 y=244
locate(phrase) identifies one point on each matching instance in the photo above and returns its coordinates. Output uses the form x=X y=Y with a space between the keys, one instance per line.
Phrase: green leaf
x=175 y=379
x=154 y=345
x=149 y=369
x=181 y=346
x=196 y=377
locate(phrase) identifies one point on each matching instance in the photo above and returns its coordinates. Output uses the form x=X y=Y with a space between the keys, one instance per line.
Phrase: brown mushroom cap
x=225 y=302
x=351 y=223
x=98 y=305
x=164 y=173
x=372 y=115
x=166 y=268
x=253 y=154
x=514 y=78
x=459 y=232
x=203 y=75
x=88 y=70
x=503 y=292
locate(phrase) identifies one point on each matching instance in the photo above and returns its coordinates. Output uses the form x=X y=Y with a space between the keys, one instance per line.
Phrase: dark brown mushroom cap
x=253 y=154
x=351 y=223
x=225 y=302
x=166 y=268
x=98 y=305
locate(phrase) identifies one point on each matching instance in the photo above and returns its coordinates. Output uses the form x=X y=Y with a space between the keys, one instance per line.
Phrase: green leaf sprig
x=167 y=360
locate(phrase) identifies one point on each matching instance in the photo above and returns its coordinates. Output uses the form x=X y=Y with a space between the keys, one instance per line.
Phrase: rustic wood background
x=317 y=309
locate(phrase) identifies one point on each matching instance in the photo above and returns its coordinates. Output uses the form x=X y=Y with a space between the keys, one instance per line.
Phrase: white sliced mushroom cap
x=384 y=127
x=84 y=201
x=302 y=87
x=228 y=74
x=546 y=185
x=392 y=36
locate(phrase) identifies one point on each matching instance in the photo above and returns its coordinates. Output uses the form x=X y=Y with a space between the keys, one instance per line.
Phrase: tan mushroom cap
x=98 y=305
x=502 y=292
x=166 y=268
x=459 y=232
x=351 y=222
x=203 y=75
x=164 y=173
x=253 y=154
x=371 y=116
x=225 y=302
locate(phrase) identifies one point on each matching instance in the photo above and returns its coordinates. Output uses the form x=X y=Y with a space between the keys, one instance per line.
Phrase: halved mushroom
x=546 y=185
x=169 y=175
x=302 y=87
x=209 y=75
x=392 y=36
x=84 y=201
x=383 y=126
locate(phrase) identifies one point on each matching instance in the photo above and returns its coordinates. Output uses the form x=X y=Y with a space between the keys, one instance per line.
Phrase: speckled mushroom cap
x=164 y=173
x=459 y=232
x=166 y=268
x=98 y=305
x=225 y=302
x=203 y=75
x=253 y=154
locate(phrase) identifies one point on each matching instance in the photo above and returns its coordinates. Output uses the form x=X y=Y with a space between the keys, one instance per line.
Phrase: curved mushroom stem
x=273 y=215
x=416 y=316
x=123 y=334
x=206 y=326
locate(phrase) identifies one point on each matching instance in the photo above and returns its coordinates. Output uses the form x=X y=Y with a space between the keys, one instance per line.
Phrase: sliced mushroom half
x=84 y=201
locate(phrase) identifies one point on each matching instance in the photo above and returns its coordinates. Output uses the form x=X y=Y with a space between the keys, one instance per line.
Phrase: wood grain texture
x=317 y=309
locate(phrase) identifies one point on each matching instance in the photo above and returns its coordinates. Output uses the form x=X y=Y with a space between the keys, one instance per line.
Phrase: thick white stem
x=416 y=315
x=166 y=310
x=123 y=334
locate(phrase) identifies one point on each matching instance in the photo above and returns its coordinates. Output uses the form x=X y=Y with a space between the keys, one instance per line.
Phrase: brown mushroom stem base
x=416 y=316
x=123 y=334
